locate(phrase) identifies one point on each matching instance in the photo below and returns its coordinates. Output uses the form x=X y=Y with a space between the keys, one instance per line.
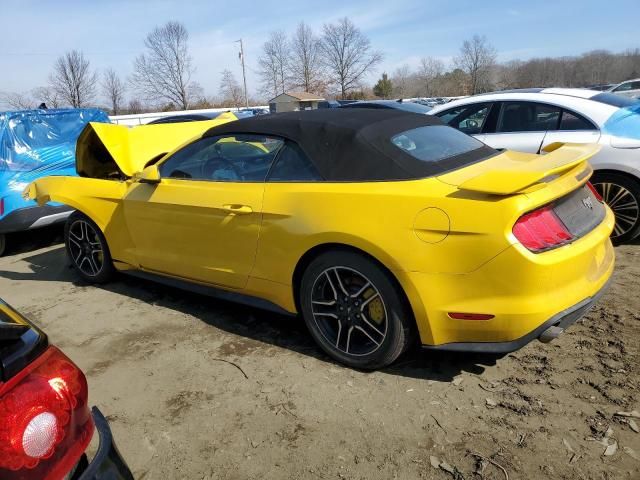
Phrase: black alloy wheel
x=355 y=310
x=87 y=249
x=622 y=195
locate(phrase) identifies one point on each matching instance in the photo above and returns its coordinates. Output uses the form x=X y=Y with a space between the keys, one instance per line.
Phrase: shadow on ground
x=263 y=326
x=30 y=240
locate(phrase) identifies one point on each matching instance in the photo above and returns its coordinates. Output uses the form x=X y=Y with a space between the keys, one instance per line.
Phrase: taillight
x=45 y=423
x=595 y=192
x=541 y=230
x=1 y=206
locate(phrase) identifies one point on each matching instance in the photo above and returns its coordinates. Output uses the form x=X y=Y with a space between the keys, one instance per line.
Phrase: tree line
x=475 y=70
x=336 y=62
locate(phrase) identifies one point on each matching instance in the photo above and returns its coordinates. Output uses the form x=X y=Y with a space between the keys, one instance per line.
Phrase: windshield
x=32 y=139
x=614 y=100
x=412 y=107
x=624 y=123
x=435 y=143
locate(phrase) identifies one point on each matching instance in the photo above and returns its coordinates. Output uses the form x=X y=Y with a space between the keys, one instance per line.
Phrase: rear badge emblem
x=587 y=203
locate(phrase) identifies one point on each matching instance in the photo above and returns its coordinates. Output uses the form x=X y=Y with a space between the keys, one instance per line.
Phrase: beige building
x=294 y=101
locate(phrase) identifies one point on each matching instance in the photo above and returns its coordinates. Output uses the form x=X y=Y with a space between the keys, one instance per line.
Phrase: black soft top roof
x=352 y=144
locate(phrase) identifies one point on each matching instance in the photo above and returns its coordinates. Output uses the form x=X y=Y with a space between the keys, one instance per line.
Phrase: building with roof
x=294 y=101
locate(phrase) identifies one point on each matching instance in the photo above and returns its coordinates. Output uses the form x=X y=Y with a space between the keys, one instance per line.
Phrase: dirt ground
x=198 y=388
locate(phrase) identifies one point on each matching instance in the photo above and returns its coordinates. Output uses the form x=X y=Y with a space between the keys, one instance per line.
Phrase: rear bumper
x=545 y=332
x=33 y=217
x=525 y=292
x=107 y=464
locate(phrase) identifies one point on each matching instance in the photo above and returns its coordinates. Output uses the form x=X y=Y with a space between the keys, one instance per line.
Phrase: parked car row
x=350 y=218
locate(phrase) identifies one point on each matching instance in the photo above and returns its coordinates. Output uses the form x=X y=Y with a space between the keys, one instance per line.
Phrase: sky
x=111 y=33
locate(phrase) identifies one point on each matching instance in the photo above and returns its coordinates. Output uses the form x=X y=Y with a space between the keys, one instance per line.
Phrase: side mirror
x=150 y=174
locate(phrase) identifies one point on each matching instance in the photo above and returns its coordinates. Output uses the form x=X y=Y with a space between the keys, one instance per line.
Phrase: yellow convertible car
x=379 y=227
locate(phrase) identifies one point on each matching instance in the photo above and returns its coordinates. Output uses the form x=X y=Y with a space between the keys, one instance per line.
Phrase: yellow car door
x=201 y=221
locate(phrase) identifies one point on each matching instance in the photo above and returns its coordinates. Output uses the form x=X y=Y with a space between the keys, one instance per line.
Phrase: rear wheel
x=622 y=194
x=354 y=310
x=87 y=249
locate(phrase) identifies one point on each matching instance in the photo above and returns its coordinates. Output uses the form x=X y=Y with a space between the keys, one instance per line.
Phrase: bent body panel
x=104 y=149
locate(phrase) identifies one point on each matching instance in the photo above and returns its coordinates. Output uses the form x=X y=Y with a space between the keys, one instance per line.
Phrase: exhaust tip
x=550 y=333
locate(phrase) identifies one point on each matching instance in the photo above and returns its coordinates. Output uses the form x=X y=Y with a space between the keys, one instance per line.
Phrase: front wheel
x=354 y=310
x=87 y=249
x=622 y=195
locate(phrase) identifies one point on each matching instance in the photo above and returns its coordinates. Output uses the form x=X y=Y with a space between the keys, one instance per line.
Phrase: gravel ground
x=198 y=388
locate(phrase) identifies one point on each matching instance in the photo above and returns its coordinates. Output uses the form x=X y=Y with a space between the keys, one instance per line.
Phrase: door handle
x=237 y=209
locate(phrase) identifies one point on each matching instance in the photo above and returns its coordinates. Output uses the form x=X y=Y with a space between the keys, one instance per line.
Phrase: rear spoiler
x=512 y=172
x=105 y=150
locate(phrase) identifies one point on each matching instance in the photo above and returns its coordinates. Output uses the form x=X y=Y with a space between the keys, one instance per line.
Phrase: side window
x=469 y=119
x=292 y=165
x=573 y=121
x=528 y=117
x=623 y=87
x=228 y=158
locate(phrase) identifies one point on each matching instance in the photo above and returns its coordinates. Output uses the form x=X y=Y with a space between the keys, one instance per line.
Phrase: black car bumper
x=107 y=464
x=33 y=217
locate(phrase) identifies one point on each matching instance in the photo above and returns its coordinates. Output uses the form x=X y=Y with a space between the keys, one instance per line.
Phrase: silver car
x=530 y=119
x=630 y=88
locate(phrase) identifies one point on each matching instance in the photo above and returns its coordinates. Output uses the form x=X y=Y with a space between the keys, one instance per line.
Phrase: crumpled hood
x=112 y=151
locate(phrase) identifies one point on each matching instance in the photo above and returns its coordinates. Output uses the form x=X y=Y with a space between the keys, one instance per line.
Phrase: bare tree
x=430 y=69
x=306 y=60
x=113 y=89
x=135 y=106
x=477 y=57
x=164 y=71
x=347 y=55
x=73 y=80
x=401 y=80
x=46 y=95
x=230 y=90
x=274 y=63
x=16 y=101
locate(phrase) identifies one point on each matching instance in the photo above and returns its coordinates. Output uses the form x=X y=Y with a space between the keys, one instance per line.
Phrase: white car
x=530 y=119
x=630 y=88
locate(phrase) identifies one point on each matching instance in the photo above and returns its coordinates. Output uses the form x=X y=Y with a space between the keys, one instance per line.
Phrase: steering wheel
x=219 y=162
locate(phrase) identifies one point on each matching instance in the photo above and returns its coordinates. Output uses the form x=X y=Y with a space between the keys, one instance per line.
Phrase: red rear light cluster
x=541 y=230
x=45 y=423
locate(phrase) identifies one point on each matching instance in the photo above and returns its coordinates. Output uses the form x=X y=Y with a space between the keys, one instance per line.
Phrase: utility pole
x=244 y=74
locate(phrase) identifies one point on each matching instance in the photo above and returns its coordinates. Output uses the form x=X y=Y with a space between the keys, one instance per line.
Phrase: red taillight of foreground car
x=595 y=192
x=541 y=230
x=45 y=423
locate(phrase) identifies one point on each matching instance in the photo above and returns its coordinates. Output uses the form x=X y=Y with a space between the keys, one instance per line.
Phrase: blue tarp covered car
x=33 y=144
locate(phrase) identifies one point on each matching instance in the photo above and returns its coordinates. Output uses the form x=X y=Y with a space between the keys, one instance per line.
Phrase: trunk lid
x=511 y=172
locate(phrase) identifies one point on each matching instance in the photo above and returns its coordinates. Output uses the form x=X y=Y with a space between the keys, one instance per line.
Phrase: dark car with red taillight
x=45 y=421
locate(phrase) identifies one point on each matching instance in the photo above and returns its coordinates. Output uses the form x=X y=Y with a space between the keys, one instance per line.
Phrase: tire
x=87 y=249
x=369 y=324
x=3 y=244
x=622 y=194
